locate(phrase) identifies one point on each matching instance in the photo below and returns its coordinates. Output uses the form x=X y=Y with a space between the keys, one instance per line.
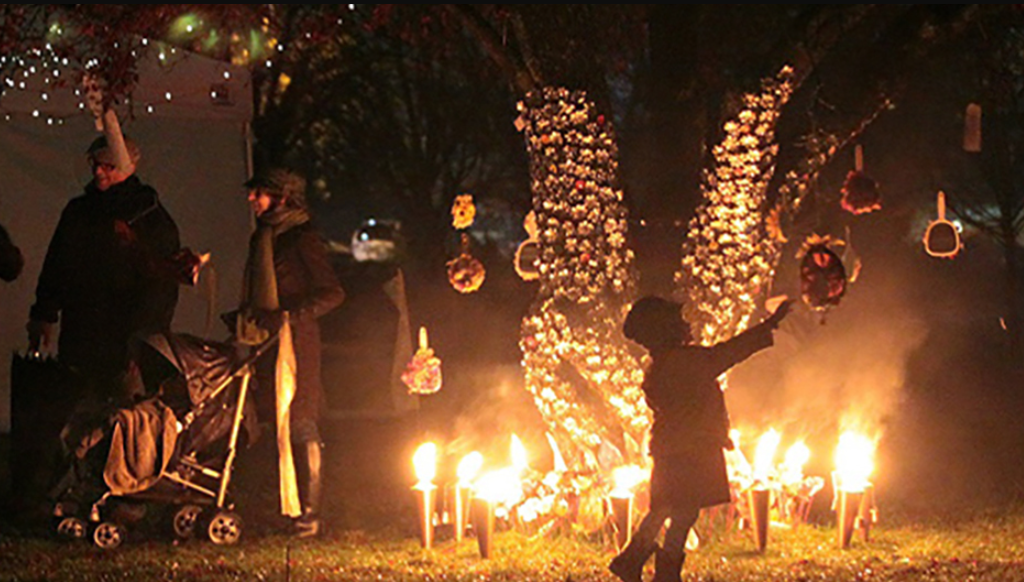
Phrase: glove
x=40 y=334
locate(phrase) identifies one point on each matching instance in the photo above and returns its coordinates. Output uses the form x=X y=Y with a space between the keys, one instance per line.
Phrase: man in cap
x=95 y=281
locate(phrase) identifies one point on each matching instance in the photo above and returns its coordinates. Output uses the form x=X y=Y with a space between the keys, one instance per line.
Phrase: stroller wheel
x=225 y=528
x=71 y=528
x=109 y=535
x=185 y=520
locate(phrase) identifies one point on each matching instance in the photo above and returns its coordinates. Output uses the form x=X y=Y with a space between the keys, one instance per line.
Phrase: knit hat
x=100 y=152
x=280 y=183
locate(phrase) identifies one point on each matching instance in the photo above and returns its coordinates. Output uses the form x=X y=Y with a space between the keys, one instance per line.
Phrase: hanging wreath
x=463 y=212
x=822 y=275
x=423 y=372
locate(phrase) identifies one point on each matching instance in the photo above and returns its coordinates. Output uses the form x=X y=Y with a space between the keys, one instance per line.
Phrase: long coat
x=94 y=282
x=691 y=423
x=307 y=287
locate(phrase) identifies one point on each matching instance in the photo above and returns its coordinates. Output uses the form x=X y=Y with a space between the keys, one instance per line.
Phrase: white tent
x=190 y=116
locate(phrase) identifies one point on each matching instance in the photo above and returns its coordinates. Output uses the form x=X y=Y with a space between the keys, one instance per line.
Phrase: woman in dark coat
x=289 y=284
x=690 y=429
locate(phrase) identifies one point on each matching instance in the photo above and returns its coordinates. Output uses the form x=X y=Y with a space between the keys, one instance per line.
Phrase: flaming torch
x=467 y=470
x=424 y=461
x=759 y=496
x=625 y=479
x=854 y=465
x=489 y=490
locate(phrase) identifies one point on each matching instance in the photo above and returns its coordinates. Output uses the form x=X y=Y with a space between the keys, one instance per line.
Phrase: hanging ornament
x=942 y=239
x=527 y=257
x=463 y=212
x=465 y=273
x=423 y=372
x=822 y=275
x=860 y=192
x=972 y=129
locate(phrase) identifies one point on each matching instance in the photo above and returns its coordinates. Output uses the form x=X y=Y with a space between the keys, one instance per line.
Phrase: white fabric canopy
x=190 y=120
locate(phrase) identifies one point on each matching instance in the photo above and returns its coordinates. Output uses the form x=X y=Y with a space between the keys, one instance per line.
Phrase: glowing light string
x=577 y=365
x=728 y=257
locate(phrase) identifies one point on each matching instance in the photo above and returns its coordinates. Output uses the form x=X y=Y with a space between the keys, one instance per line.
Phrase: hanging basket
x=823 y=279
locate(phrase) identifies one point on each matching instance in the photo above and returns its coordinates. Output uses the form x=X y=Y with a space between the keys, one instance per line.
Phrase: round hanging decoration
x=423 y=372
x=465 y=273
x=860 y=192
x=463 y=212
x=527 y=259
x=822 y=275
x=942 y=239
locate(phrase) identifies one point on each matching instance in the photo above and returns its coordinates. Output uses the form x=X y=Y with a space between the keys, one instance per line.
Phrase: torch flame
x=793 y=466
x=765 y=454
x=469 y=466
x=518 y=452
x=501 y=487
x=626 y=479
x=854 y=462
x=424 y=461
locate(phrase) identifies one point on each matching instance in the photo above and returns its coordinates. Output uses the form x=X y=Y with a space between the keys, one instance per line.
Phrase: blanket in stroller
x=142 y=444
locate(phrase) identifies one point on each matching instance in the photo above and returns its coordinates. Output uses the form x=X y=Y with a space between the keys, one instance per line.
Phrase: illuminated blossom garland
x=728 y=256
x=584 y=381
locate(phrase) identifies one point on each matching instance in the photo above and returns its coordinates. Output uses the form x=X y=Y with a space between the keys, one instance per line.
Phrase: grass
x=983 y=546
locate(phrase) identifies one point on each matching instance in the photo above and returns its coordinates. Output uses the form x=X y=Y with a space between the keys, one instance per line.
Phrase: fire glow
x=854 y=462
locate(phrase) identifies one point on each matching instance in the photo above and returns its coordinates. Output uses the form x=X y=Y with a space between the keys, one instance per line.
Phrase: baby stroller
x=176 y=446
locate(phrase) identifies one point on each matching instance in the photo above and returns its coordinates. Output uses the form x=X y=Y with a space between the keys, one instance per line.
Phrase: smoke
x=829 y=373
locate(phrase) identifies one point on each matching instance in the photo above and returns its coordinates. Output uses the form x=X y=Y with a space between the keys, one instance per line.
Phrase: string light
x=727 y=255
x=587 y=281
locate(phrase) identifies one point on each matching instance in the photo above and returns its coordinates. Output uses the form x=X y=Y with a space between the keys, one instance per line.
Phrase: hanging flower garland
x=423 y=373
x=463 y=212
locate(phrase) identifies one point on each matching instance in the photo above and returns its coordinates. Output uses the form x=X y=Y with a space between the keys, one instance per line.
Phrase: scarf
x=259 y=292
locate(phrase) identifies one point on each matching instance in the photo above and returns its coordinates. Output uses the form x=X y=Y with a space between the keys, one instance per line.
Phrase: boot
x=629 y=564
x=308 y=525
x=668 y=566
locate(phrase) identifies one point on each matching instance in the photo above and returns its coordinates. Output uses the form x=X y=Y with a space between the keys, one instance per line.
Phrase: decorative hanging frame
x=942 y=239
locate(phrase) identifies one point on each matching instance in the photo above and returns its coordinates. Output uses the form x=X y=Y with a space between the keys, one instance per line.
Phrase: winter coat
x=97 y=277
x=307 y=287
x=691 y=423
x=11 y=259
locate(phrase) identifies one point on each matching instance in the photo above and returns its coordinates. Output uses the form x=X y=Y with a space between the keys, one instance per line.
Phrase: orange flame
x=424 y=461
x=854 y=462
x=765 y=454
x=626 y=479
x=468 y=468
